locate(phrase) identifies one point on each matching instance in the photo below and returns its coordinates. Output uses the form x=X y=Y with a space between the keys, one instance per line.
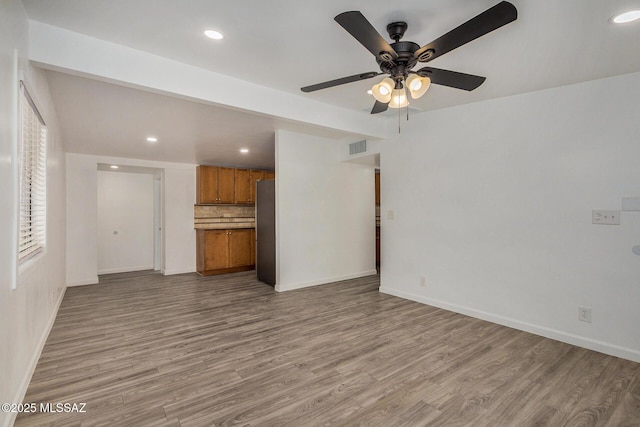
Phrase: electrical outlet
x=584 y=314
x=605 y=217
x=390 y=214
x=423 y=282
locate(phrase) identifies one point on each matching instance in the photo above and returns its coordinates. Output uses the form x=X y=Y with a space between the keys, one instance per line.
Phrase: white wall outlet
x=605 y=217
x=423 y=281
x=584 y=314
x=390 y=214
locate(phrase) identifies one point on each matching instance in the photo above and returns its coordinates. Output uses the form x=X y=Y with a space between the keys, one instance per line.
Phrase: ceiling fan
x=398 y=58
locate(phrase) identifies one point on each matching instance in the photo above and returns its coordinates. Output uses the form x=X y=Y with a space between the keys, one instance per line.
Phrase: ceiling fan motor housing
x=399 y=67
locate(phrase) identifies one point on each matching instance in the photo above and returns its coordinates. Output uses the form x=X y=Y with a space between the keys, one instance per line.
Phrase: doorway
x=157 y=220
x=129 y=219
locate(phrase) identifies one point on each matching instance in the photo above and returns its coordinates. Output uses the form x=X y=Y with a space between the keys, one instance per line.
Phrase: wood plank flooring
x=142 y=349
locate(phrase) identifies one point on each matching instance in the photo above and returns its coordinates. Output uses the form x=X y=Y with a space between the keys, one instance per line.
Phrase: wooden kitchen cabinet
x=219 y=185
x=213 y=250
x=242 y=186
x=240 y=248
x=246 y=185
x=215 y=185
x=206 y=184
x=224 y=251
x=269 y=175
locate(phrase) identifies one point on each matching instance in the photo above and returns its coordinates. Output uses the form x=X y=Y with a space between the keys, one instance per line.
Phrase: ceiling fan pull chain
x=406 y=94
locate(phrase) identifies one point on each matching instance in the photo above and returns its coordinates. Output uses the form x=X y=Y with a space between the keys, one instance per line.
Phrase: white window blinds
x=33 y=174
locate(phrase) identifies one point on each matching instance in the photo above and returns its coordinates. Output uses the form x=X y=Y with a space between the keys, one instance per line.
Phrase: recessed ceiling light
x=630 y=16
x=114 y=166
x=212 y=34
x=152 y=139
x=244 y=150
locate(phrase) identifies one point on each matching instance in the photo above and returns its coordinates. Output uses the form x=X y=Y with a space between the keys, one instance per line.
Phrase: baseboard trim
x=93 y=281
x=24 y=384
x=125 y=269
x=179 y=271
x=324 y=281
x=555 y=334
x=226 y=270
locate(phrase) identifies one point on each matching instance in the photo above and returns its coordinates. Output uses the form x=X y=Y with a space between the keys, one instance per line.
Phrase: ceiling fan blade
x=362 y=30
x=451 y=78
x=341 y=81
x=379 y=107
x=489 y=20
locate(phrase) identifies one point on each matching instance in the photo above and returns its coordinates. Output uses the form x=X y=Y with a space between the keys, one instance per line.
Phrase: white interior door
x=125 y=222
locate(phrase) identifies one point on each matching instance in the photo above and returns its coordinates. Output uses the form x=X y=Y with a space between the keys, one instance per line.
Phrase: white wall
x=82 y=217
x=492 y=205
x=325 y=213
x=179 y=195
x=28 y=311
x=125 y=222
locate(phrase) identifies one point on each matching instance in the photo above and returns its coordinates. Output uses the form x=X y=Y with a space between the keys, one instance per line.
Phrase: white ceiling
x=287 y=44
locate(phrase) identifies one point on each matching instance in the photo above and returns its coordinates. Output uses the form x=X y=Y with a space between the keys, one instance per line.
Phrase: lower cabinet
x=224 y=251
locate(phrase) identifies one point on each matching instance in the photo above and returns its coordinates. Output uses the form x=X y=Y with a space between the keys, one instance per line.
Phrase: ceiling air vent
x=358 y=147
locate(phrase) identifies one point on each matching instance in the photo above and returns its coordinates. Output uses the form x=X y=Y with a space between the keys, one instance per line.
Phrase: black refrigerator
x=266 y=231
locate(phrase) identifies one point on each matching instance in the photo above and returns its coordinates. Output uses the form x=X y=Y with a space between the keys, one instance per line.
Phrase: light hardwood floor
x=143 y=349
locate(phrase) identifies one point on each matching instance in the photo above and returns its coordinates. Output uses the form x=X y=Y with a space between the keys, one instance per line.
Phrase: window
x=32 y=156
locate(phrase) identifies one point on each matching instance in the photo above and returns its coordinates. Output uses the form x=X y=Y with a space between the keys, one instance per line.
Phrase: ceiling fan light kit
x=398 y=99
x=418 y=85
x=382 y=91
x=398 y=58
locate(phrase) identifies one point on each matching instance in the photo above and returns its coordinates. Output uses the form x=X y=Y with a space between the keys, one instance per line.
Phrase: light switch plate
x=605 y=217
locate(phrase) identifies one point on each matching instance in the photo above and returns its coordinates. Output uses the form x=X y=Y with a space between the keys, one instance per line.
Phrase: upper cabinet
x=242 y=186
x=215 y=185
x=226 y=180
x=218 y=185
x=246 y=185
x=206 y=184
